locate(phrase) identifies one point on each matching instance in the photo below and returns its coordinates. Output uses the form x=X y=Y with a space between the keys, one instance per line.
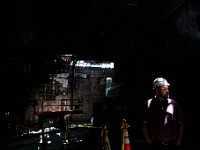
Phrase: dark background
x=145 y=39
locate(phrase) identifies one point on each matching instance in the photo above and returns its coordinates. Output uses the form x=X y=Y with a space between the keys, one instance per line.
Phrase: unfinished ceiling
x=97 y=29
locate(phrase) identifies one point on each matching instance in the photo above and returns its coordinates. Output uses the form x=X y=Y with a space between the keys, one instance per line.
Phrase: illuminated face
x=163 y=91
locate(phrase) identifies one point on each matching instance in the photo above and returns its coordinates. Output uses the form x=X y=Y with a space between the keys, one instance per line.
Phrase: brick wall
x=86 y=91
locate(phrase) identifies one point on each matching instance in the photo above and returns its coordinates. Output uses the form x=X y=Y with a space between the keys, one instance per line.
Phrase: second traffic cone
x=125 y=136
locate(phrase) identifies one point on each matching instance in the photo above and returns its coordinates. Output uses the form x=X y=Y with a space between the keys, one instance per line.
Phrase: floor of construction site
x=74 y=138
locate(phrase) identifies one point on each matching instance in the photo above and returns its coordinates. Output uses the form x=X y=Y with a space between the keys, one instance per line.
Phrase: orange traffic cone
x=105 y=139
x=125 y=137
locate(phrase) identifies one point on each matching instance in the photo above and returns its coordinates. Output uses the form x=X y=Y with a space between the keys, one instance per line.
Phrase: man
x=163 y=122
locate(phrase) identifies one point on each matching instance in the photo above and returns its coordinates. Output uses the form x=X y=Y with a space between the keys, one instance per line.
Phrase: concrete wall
x=86 y=92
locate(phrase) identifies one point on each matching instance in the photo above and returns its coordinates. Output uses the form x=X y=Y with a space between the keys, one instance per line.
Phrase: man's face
x=163 y=91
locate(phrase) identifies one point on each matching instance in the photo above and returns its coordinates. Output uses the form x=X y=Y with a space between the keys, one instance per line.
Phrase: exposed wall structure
x=71 y=93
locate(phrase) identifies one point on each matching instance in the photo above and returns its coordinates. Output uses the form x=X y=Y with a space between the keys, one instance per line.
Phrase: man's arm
x=145 y=132
x=180 y=132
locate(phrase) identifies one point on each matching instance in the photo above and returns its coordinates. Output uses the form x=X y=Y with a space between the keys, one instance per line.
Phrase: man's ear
x=157 y=90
